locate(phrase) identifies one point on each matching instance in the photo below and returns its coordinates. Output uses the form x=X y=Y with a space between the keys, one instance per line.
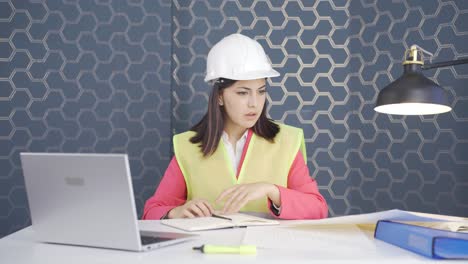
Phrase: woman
x=236 y=159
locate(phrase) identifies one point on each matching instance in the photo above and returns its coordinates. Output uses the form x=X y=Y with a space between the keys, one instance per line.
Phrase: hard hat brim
x=246 y=75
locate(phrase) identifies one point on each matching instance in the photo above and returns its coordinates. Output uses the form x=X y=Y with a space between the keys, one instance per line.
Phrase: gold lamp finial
x=414 y=56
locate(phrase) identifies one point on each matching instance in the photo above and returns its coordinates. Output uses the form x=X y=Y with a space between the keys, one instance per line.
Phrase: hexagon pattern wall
x=97 y=76
x=83 y=76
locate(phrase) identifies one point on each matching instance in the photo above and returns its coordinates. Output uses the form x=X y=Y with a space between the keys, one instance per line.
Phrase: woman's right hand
x=191 y=209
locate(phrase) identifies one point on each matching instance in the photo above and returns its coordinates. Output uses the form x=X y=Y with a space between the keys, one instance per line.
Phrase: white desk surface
x=21 y=247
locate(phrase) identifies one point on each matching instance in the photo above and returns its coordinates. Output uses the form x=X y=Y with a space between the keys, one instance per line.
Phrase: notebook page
x=198 y=223
x=248 y=220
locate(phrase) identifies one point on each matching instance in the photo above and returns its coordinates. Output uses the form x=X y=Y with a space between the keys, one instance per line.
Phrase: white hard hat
x=238 y=57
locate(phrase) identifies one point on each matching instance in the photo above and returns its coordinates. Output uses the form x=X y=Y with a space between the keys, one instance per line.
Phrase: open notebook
x=218 y=222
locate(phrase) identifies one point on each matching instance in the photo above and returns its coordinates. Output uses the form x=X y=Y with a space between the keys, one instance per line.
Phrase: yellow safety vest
x=207 y=177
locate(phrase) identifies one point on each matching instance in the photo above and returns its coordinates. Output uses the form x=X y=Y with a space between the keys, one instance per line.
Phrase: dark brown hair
x=210 y=128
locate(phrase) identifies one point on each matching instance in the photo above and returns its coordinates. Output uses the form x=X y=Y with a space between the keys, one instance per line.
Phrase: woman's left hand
x=239 y=195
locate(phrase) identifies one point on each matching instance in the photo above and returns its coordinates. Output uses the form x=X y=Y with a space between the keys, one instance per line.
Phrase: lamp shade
x=412 y=94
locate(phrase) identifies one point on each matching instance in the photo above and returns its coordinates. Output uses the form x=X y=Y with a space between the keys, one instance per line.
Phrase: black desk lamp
x=413 y=93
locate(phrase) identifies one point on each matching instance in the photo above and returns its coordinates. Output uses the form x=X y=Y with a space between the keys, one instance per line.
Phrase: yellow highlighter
x=242 y=249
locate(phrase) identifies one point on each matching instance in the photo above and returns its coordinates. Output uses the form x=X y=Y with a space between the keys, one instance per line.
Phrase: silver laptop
x=87 y=200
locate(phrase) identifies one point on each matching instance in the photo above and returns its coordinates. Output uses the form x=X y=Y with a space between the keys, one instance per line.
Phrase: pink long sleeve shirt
x=300 y=200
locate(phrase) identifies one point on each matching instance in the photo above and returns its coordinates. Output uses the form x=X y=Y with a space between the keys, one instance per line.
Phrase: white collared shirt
x=235 y=152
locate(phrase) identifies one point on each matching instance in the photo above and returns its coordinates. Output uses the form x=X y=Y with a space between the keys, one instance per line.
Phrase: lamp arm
x=444 y=64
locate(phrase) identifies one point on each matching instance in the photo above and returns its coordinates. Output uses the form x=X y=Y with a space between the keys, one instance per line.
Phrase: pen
x=222 y=217
x=242 y=249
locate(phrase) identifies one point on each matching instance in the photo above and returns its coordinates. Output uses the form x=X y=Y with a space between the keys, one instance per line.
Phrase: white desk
x=20 y=247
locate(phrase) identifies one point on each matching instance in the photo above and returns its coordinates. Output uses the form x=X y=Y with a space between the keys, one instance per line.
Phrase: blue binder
x=429 y=242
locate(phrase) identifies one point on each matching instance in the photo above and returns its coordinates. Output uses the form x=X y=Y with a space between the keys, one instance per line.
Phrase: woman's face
x=243 y=102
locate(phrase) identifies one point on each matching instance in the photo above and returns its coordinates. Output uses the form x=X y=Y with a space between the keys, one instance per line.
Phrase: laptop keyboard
x=146 y=240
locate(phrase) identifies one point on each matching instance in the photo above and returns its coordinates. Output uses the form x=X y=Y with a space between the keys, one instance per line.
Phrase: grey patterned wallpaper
x=122 y=76
x=83 y=76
